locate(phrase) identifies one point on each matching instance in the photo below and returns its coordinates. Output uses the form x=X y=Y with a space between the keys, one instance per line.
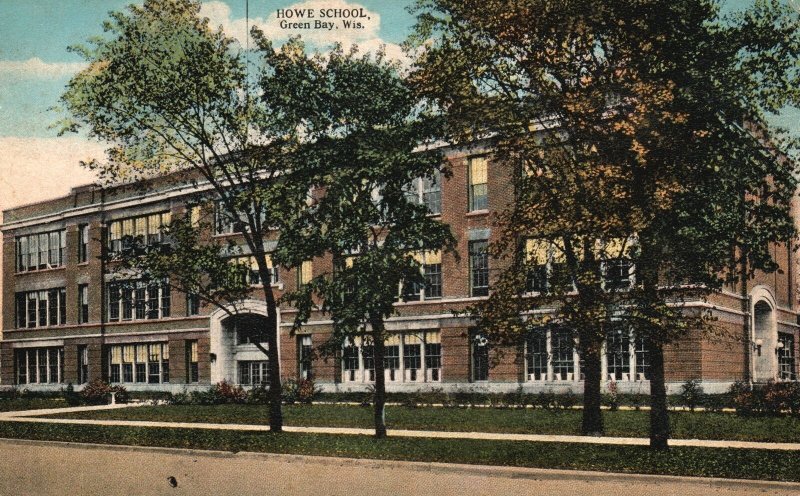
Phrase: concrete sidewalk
x=35 y=416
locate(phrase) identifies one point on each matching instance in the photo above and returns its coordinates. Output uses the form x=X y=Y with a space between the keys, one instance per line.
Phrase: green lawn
x=686 y=425
x=17 y=404
x=705 y=462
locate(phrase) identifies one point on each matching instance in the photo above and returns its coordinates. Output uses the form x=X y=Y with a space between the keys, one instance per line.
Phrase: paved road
x=44 y=468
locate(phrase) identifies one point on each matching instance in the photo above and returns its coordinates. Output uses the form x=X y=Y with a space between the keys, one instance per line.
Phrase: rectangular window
x=563 y=347
x=192 y=304
x=617 y=274
x=83 y=243
x=408 y=357
x=433 y=357
x=139 y=363
x=40 y=251
x=305 y=357
x=137 y=300
x=83 y=303
x=426 y=191
x=642 y=357
x=478 y=179
x=253 y=373
x=391 y=358
x=249 y=269
x=39 y=365
x=535 y=252
x=479 y=268
x=536 y=355
x=192 y=362
x=350 y=362
x=41 y=308
x=480 y=357
x=618 y=358
x=143 y=230
x=787 y=370
x=305 y=273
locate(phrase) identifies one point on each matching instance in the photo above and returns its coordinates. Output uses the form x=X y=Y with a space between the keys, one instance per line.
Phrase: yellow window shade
x=166 y=218
x=116 y=354
x=127 y=353
x=412 y=338
x=433 y=257
x=393 y=340
x=127 y=227
x=614 y=247
x=433 y=337
x=419 y=257
x=165 y=351
x=116 y=230
x=155 y=352
x=348 y=262
x=306 y=271
x=153 y=224
x=478 y=170
x=141 y=353
x=140 y=226
x=193 y=351
x=194 y=216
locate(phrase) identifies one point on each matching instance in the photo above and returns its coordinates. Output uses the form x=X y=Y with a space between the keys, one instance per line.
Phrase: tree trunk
x=275 y=387
x=659 y=416
x=592 y=424
x=380 y=380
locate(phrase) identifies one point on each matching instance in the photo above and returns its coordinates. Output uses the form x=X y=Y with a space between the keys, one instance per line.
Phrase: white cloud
x=366 y=37
x=35 y=67
x=36 y=169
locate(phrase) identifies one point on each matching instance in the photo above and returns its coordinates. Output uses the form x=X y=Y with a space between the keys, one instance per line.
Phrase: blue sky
x=35 y=65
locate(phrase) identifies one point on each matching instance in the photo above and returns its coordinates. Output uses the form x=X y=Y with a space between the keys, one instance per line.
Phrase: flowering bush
x=307 y=391
x=98 y=392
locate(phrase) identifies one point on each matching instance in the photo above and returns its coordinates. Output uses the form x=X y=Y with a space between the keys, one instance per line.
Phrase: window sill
x=40 y=271
x=478 y=213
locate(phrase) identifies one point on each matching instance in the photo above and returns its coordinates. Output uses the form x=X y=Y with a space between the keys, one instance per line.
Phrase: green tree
x=172 y=95
x=364 y=145
x=634 y=120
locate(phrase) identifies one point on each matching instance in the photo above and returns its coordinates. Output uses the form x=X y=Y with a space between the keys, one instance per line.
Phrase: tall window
x=139 y=363
x=478 y=178
x=480 y=357
x=536 y=355
x=409 y=357
x=83 y=243
x=787 y=369
x=41 y=308
x=40 y=251
x=641 y=355
x=83 y=303
x=192 y=304
x=83 y=364
x=431 y=266
x=563 y=347
x=304 y=356
x=427 y=191
x=305 y=273
x=39 y=365
x=192 y=367
x=145 y=229
x=137 y=300
x=479 y=268
x=618 y=357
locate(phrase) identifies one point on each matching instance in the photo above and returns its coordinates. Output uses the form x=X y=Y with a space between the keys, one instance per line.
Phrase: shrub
x=289 y=390
x=567 y=400
x=742 y=398
x=613 y=396
x=546 y=400
x=691 y=394
x=259 y=395
x=97 y=392
x=70 y=396
x=307 y=391
x=716 y=402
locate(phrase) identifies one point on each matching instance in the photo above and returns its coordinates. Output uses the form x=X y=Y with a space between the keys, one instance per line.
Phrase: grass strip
x=685 y=425
x=19 y=404
x=684 y=461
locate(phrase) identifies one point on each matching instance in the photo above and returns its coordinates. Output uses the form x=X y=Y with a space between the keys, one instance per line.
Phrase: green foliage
x=772 y=398
x=70 y=396
x=692 y=394
x=98 y=392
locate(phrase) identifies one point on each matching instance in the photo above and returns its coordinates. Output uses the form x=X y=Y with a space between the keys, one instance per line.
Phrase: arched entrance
x=764 y=341
x=234 y=355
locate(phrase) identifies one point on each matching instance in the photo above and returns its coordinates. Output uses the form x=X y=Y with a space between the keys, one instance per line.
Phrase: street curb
x=437 y=467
